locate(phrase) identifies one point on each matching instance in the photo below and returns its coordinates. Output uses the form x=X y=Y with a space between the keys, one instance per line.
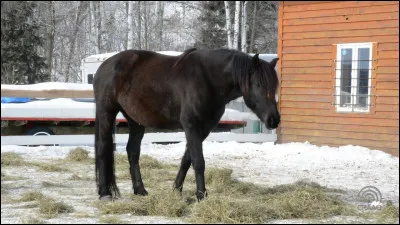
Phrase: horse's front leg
x=136 y=133
x=185 y=165
x=195 y=147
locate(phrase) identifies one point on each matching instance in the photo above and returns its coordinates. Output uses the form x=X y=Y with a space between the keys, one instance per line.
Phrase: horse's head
x=260 y=95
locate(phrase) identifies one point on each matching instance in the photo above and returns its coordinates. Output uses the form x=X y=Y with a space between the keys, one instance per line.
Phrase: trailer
x=76 y=116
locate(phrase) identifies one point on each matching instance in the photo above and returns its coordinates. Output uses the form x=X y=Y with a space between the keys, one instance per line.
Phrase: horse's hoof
x=201 y=195
x=141 y=191
x=174 y=188
x=106 y=198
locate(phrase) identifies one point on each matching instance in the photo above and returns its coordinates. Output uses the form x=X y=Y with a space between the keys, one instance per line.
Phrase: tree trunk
x=78 y=20
x=99 y=32
x=228 y=25
x=139 y=29
x=253 y=24
x=236 y=28
x=160 y=15
x=50 y=38
x=93 y=30
x=130 y=25
x=244 y=27
x=127 y=25
x=145 y=25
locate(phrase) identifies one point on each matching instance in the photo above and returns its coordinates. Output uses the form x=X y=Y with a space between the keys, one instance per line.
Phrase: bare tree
x=50 y=37
x=139 y=29
x=159 y=25
x=253 y=25
x=267 y=27
x=93 y=34
x=244 y=27
x=228 y=25
x=78 y=21
x=236 y=26
x=146 y=25
x=130 y=25
x=98 y=25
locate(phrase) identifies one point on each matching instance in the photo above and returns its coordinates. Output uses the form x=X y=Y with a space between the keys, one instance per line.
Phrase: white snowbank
x=48 y=86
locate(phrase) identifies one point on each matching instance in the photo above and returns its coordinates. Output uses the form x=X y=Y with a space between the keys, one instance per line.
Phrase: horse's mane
x=243 y=67
x=183 y=55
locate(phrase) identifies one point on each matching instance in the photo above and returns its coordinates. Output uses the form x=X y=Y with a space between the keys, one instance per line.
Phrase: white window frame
x=354 y=75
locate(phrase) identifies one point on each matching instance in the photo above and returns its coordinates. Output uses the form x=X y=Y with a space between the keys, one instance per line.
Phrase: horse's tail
x=108 y=156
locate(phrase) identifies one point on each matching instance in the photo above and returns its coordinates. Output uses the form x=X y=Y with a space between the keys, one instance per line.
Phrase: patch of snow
x=48 y=86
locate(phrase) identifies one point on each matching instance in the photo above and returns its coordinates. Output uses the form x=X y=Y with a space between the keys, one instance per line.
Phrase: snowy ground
x=348 y=167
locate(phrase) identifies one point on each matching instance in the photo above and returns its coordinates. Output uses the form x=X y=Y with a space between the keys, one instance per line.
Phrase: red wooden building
x=339 y=73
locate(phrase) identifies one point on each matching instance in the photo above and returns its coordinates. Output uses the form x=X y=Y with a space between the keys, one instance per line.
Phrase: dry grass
x=51 y=208
x=247 y=203
x=229 y=201
x=79 y=155
x=121 y=207
x=389 y=214
x=153 y=172
x=3 y=191
x=5 y=177
x=12 y=159
x=75 y=177
x=110 y=220
x=32 y=196
x=50 y=167
x=33 y=220
x=49 y=185
x=47 y=206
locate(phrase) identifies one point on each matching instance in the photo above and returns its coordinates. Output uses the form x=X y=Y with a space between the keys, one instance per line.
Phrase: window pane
x=345 y=80
x=90 y=78
x=363 y=77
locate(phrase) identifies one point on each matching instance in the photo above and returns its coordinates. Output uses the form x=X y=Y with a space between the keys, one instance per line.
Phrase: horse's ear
x=273 y=62
x=256 y=60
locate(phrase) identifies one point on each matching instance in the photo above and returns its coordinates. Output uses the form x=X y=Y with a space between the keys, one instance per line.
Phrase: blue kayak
x=14 y=100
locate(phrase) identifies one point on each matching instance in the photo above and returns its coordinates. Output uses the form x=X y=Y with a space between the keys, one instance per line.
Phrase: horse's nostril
x=270 y=121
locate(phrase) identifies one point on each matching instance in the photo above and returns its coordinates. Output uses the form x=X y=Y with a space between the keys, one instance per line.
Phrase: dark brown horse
x=186 y=92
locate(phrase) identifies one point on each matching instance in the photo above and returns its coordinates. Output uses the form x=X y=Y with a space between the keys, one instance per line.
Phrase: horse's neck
x=227 y=88
x=232 y=88
x=233 y=91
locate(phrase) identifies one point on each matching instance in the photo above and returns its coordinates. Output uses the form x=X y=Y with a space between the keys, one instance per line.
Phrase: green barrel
x=256 y=127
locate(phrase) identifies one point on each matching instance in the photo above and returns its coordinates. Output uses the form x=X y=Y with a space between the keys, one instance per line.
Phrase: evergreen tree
x=212 y=34
x=20 y=62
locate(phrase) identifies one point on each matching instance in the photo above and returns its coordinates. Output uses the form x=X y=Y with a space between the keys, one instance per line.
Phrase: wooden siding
x=307 y=34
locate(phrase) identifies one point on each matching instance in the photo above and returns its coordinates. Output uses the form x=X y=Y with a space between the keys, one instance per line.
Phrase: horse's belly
x=152 y=116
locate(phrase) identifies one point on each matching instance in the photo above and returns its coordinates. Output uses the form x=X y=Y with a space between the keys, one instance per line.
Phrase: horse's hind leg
x=104 y=153
x=136 y=133
x=185 y=165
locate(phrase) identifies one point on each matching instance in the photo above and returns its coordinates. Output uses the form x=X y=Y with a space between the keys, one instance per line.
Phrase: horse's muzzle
x=273 y=122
